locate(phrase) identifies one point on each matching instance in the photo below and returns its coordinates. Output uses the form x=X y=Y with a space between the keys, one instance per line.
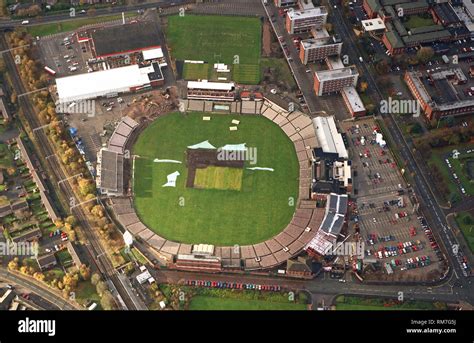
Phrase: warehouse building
x=108 y=83
x=127 y=39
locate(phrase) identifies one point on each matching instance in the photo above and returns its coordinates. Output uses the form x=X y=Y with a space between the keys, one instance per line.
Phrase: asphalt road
x=98 y=12
x=44 y=292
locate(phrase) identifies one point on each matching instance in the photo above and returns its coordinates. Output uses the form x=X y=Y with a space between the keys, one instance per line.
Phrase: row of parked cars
x=432 y=240
x=233 y=285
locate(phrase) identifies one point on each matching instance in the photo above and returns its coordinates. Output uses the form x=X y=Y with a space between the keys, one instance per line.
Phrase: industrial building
x=108 y=83
x=127 y=39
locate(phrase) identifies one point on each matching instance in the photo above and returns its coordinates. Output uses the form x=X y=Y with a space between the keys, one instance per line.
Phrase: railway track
x=46 y=151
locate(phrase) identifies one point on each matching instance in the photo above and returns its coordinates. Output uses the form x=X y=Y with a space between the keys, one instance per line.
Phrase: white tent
x=202 y=145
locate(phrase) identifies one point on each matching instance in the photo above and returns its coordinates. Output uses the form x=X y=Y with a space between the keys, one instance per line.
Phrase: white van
x=25 y=22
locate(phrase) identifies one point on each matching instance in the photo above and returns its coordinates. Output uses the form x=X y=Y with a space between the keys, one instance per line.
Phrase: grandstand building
x=205 y=90
x=332 y=225
x=109 y=177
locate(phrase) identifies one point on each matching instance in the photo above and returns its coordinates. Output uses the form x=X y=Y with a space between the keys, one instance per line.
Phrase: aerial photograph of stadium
x=237 y=155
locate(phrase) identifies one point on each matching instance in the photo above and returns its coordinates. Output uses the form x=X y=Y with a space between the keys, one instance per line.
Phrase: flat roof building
x=328 y=137
x=437 y=95
x=353 y=101
x=298 y=21
x=373 y=25
x=334 y=81
x=124 y=39
x=109 y=82
x=317 y=49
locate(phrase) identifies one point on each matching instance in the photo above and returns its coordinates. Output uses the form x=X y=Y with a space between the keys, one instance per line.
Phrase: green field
x=465 y=222
x=232 y=40
x=218 y=304
x=246 y=73
x=70 y=25
x=460 y=168
x=355 y=303
x=219 y=178
x=258 y=211
x=416 y=21
x=196 y=71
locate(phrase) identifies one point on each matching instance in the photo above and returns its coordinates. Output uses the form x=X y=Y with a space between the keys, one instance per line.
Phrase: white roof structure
x=354 y=99
x=330 y=140
x=203 y=249
x=128 y=238
x=152 y=54
x=143 y=277
x=202 y=145
x=216 y=86
x=373 y=24
x=100 y=83
x=234 y=147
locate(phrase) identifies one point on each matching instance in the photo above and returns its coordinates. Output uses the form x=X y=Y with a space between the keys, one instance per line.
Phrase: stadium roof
x=204 y=84
x=100 y=83
x=111 y=171
x=330 y=140
x=126 y=38
x=336 y=209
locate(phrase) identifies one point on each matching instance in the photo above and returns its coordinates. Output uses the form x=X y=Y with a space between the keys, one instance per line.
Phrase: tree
x=13 y=264
x=101 y=287
x=425 y=54
x=107 y=301
x=468 y=220
x=85 y=272
x=95 y=279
